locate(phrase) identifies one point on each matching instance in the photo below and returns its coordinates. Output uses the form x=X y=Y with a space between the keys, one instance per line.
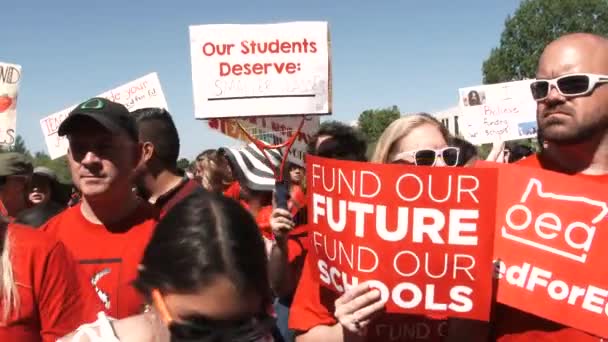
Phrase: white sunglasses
x=428 y=157
x=568 y=85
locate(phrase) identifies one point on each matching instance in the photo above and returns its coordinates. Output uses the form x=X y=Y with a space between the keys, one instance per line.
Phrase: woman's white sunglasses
x=429 y=157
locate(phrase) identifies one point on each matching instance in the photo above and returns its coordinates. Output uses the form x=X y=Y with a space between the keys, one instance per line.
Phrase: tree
x=20 y=147
x=535 y=24
x=372 y=122
x=183 y=164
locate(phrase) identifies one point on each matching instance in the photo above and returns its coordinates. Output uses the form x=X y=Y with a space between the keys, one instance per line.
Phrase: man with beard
x=572 y=114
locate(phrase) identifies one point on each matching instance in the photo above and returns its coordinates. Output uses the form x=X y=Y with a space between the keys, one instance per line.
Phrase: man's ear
x=147 y=151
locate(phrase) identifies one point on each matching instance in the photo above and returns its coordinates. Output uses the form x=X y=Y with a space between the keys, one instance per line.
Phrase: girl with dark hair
x=204 y=274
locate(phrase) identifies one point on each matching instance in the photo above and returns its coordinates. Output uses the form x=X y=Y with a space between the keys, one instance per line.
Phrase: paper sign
x=418 y=234
x=260 y=70
x=141 y=93
x=497 y=112
x=551 y=242
x=273 y=130
x=10 y=78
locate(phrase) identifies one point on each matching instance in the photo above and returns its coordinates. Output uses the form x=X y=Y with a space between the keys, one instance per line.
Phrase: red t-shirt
x=108 y=255
x=233 y=191
x=313 y=305
x=54 y=301
x=512 y=325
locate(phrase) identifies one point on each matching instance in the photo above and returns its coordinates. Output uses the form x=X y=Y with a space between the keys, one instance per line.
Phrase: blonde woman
x=358 y=315
x=213 y=171
x=417 y=139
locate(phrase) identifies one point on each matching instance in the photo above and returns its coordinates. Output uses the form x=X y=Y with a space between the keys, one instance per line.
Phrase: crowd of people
x=149 y=252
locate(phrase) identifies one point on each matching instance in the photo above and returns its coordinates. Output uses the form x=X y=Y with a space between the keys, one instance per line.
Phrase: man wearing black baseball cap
x=108 y=230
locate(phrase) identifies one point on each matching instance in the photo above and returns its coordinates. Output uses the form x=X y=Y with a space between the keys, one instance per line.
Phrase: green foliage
x=372 y=122
x=59 y=165
x=20 y=147
x=535 y=24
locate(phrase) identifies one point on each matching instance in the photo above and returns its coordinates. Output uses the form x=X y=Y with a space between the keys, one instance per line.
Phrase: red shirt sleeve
x=311 y=306
x=64 y=302
x=233 y=191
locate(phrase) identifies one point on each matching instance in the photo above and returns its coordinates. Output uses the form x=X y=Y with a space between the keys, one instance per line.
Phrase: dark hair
x=518 y=152
x=156 y=126
x=38 y=215
x=467 y=152
x=477 y=99
x=345 y=142
x=204 y=236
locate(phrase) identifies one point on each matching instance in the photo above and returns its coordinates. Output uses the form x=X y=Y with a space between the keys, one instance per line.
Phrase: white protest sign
x=260 y=70
x=503 y=111
x=272 y=130
x=140 y=93
x=10 y=78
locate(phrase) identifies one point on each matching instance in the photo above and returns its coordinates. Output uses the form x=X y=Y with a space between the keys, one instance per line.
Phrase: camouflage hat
x=13 y=163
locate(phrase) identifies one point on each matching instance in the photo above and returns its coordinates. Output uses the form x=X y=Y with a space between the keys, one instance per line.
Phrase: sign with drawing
x=497 y=112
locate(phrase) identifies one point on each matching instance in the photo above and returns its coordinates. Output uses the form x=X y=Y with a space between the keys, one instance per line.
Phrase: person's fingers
x=361 y=302
x=352 y=293
x=284 y=221
x=278 y=212
x=370 y=311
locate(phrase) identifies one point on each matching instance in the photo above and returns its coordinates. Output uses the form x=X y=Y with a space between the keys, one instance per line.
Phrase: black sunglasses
x=567 y=85
x=428 y=157
x=207 y=330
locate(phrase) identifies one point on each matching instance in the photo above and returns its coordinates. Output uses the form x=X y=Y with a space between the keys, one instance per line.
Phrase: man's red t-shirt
x=313 y=305
x=53 y=300
x=512 y=325
x=109 y=255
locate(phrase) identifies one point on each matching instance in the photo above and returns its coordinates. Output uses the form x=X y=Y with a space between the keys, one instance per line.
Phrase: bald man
x=572 y=115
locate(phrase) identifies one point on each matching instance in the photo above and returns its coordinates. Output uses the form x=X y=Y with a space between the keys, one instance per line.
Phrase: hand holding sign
x=356 y=308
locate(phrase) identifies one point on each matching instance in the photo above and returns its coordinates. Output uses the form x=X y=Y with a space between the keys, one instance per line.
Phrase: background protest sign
x=503 y=111
x=418 y=234
x=550 y=240
x=140 y=93
x=259 y=70
x=272 y=130
x=10 y=78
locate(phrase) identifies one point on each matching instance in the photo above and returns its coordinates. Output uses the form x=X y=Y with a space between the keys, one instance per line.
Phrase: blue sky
x=414 y=54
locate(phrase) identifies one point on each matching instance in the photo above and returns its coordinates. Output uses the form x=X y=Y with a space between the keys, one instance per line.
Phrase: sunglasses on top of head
x=429 y=157
x=568 y=85
x=203 y=329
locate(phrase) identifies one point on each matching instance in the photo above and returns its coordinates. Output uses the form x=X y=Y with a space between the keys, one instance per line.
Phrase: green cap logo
x=92 y=104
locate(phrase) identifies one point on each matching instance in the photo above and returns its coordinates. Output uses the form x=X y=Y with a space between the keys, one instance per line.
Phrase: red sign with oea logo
x=551 y=240
x=422 y=236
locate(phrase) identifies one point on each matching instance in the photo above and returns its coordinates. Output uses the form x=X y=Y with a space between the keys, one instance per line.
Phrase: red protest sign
x=420 y=235
x=550 y=240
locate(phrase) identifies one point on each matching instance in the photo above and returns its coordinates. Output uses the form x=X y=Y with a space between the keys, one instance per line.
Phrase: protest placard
x=10 y=78
x=272 y=130
x=140 y=93
x=497 y=112
x=259 y=70
x=418 y=234
x=550 y=247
